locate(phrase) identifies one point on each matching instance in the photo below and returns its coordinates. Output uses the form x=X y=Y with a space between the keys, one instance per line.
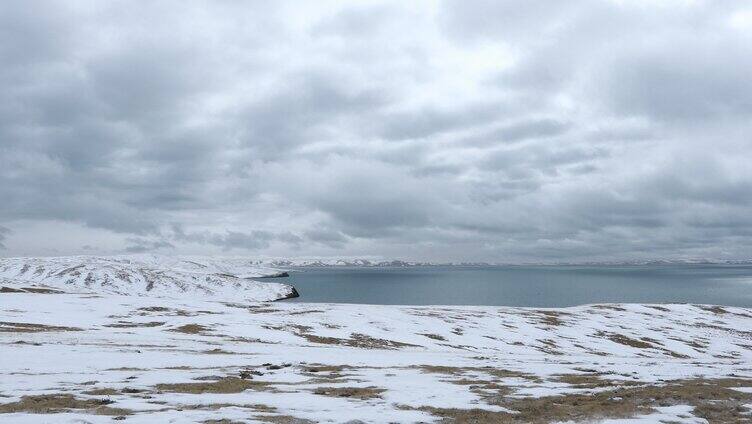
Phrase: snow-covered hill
x=147 y=275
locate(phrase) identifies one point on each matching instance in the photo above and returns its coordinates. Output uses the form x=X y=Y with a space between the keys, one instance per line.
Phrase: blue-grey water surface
x=537 y=286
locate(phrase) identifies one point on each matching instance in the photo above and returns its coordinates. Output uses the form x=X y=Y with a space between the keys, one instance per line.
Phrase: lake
x=536 y=286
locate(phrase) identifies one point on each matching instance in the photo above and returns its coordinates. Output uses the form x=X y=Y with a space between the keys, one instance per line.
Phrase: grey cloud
x=433 y=121
x=32 y=32
x=611 y=129
x=505 y=19
x=228 y=240
x=360 y=21
x=545 y=159
x=684 y=81
x=519 y=131
x=327 y=236
x=371 y=200
x=303 y=108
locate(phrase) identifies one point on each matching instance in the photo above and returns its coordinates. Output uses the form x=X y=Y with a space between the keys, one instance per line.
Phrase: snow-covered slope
x=147 y=275
x=74 y=358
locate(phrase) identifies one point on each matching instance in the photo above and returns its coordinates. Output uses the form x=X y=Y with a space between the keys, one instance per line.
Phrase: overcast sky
x=431 y=130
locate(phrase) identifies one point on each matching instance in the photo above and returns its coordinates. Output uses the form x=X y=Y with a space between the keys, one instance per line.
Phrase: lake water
x=537 y=286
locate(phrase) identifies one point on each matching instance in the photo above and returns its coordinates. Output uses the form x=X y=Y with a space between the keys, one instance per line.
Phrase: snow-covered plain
x=93 y=355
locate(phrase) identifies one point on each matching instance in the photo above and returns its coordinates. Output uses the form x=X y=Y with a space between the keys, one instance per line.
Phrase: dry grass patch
x=5 y=289
x=109 y=391
x=118 y=412
x=54 y=403
x=36 y=290
x=154 y=309
x=223 y=385
x=217 y=351
x=491 y=391
x=714 y=309
x=699 y=344
x=659 y=308
x=261 y=310
x=218 y=406
x=356 y=339
x=610 y=307
x=24 y=342
x=326 y=368
x=282 y=419
x=327 y=374
x=25 y=327
x=592 y=381
x=626 y=341
x=128 y=324
x=42 y=290
x=305 y=312
x=713 y=400
x=551 y=318
x=362 y=393
x=549 y=347
x=433 y=336
x=368 y=342
x=190 y=329
x=643 y=343
x=463 y=371
x=104 y=391
x=161 y=310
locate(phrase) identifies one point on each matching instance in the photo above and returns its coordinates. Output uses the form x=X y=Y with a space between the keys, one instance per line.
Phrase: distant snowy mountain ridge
x=288 y=263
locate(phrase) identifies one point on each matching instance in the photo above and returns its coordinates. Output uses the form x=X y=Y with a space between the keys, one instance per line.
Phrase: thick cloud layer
x=487 y=130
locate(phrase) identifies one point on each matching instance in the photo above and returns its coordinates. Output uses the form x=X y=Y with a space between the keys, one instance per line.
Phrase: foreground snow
x=148 y=275
x=95 y=358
